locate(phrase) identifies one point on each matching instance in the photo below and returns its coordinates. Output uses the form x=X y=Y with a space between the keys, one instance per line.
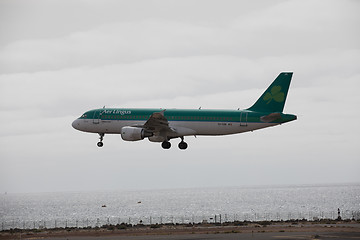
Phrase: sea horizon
x=279 y=185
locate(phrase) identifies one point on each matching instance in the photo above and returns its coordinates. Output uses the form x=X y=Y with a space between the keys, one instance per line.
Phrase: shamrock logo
x=274 y=94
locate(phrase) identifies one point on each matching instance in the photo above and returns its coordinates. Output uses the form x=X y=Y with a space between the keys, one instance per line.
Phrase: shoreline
x=295 y=226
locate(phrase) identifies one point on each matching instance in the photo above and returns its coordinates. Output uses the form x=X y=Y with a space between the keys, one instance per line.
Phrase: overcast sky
x=59 y=59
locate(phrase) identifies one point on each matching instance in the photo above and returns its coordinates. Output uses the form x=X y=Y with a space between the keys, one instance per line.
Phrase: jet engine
x=134 y=133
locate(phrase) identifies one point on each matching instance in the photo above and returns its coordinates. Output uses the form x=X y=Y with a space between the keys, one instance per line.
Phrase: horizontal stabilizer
x=271 y=117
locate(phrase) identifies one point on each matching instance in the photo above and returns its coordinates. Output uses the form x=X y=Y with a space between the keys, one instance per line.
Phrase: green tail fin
x=273 y=99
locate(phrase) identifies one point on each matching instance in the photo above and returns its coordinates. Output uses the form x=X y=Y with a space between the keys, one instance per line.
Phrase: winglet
x=273 y=99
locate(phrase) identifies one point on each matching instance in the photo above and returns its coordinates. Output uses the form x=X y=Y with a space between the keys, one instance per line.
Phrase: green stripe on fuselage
x=197 y=115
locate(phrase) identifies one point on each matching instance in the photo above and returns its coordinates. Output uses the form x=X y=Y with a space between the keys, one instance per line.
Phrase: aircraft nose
x=76 y=124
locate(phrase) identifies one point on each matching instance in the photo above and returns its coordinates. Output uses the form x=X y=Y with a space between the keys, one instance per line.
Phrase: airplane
x=162 y=125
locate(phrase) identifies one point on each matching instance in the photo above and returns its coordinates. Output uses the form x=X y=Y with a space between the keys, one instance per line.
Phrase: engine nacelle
x=134 y=133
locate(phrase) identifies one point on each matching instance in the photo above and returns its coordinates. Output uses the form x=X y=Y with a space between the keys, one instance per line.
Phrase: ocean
x=82 y=209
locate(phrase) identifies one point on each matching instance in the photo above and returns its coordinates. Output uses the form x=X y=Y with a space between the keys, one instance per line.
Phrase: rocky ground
x=125 y=231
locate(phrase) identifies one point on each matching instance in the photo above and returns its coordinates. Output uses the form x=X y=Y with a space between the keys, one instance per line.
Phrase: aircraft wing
x=158 y=123
x=159 y=126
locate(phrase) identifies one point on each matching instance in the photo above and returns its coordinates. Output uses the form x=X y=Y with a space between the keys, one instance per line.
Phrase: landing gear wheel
x=166 y=145
x=183 y=145
x=100 y=144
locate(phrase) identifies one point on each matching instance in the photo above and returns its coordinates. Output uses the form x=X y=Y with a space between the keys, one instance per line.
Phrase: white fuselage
x=197 y=127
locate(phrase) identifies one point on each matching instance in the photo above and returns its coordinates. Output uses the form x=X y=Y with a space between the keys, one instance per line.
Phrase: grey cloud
x=276 y=31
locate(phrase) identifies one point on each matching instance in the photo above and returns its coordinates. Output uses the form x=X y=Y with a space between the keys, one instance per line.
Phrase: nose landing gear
x=100 y=144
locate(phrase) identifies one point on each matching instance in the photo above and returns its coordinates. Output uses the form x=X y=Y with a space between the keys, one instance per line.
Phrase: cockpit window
x=83 y=116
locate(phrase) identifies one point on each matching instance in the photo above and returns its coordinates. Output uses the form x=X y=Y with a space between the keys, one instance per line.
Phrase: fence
x=217 y=218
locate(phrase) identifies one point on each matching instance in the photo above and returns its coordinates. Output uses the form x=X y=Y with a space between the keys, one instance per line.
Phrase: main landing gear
x=182 y=145
x=100 y=144
x=166 y=145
